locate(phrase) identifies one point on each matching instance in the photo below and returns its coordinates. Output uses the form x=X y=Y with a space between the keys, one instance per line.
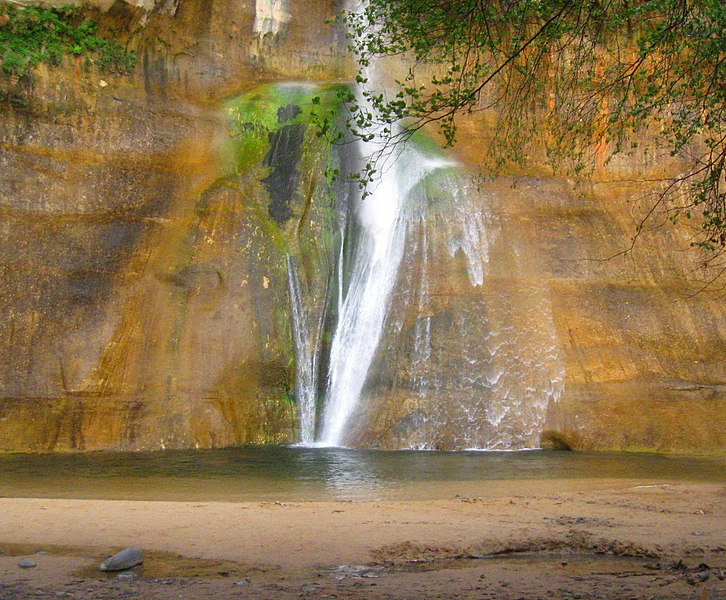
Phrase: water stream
x=381 y=220
x=428 y=350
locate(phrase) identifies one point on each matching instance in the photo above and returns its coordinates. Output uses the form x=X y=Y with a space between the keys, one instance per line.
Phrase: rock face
x=143 y=280
x=144 y=304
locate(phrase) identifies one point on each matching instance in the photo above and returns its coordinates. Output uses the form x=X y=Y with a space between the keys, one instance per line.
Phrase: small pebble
x=126 y=576
x=27 y=564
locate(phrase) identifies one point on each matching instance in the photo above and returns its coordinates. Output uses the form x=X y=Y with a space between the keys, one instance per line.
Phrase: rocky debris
x=126 y=559
x=127 y=576
x=27 y=564
x=354 y=571
x=693 y=575
x=573 y=521
x=660 y=565
x=698 y=577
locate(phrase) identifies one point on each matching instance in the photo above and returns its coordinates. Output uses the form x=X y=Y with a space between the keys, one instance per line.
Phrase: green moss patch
x=268 y=108
x=31 y=35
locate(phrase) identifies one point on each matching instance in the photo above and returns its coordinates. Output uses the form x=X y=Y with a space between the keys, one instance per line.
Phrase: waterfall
x=420 y=317
x=305 y=346
x=442 y=337
x=381 y=221
x=417 y=319
x=363 y=306
x=473 y=379
x=271 y=17
x=469 y=356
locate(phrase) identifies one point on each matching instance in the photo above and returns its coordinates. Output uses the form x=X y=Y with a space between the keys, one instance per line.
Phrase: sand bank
x=610 y=540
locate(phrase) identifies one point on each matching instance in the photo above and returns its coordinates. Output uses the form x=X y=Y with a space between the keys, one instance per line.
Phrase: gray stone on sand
x=126 y=576
x=27 y=564
x=126 y=559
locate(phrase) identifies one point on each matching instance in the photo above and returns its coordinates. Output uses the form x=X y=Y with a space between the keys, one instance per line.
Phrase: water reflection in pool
x=293 y=473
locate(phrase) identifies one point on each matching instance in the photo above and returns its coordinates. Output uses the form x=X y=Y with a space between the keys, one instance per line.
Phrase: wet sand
x=598 y=539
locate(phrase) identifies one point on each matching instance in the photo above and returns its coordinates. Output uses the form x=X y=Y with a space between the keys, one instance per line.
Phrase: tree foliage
x=590 y=72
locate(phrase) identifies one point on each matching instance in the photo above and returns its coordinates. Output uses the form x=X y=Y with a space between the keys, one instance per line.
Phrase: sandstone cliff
x=144 y=298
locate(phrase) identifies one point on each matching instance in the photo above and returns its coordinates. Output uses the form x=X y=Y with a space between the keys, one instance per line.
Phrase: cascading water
x=305 y=347
x=442 y=337
x=381 y=219
x=271 y=17
x=469 y=355
x=430 y=349
x=379 y=248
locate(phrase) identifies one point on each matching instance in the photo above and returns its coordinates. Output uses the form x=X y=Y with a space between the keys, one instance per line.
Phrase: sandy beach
x=614 y=539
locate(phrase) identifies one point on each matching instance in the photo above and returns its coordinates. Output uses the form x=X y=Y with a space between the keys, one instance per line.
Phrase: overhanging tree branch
x=604 y=71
